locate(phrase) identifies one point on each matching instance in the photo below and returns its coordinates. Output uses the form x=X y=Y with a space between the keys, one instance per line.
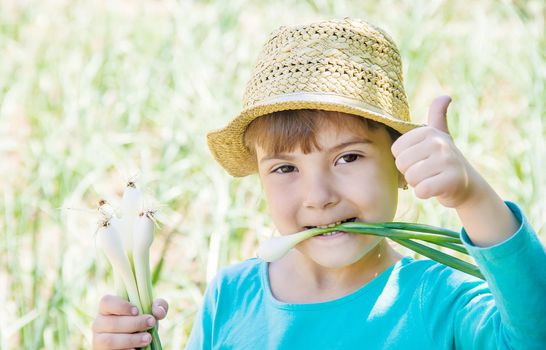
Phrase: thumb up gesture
x=431 y=163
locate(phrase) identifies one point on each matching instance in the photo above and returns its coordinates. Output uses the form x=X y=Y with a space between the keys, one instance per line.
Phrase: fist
x=431 y=163
x=118 y=325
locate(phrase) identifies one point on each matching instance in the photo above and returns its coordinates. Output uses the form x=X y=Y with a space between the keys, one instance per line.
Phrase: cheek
x=375 y=188
x=389 y=190
x=280 y=202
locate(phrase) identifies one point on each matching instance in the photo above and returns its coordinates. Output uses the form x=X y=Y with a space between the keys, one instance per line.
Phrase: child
x=326 y=126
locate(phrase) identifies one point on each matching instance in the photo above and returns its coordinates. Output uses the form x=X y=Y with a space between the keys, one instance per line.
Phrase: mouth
x=332 y=224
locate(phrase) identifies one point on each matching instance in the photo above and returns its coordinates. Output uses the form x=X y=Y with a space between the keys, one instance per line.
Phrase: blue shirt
x=414 y=304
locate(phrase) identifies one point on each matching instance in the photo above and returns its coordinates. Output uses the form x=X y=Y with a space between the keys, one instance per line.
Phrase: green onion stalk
x=403 y=233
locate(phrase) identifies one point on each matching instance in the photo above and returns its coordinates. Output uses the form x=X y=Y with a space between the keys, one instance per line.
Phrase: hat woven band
x=323 y=97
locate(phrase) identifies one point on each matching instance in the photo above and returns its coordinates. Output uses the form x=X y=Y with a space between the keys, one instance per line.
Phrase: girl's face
x=352 y=175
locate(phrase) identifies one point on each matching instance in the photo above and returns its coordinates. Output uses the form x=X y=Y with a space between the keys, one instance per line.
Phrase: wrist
x=477 y=190
x=485 y=217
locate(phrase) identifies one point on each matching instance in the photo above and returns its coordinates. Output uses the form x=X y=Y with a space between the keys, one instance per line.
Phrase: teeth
x=329 y=233
x=334 y=224
x=330 y=225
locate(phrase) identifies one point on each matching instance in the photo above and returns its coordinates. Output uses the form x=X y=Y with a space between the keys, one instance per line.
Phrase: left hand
x=432 y=164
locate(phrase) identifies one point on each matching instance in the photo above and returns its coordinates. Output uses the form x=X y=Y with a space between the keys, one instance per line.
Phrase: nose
x=320 y=192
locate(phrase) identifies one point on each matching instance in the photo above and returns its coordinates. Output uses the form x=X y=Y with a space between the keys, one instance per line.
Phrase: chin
x=335 y=259
x=339 y=258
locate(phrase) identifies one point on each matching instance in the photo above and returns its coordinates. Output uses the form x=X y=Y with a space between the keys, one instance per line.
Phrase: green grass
x=91 y=92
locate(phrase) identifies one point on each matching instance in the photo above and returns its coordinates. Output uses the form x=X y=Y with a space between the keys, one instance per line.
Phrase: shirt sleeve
x=505 y=312
x=201 y=334
x=515 y=273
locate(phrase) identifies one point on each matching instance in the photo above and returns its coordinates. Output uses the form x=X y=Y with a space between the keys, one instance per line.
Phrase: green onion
x=405 y=234
x=109 y=240
x=142 y=241
x=441 y=257
x=126 y=243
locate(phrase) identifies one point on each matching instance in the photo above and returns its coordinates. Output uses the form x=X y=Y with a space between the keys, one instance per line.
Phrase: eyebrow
x=333 y=149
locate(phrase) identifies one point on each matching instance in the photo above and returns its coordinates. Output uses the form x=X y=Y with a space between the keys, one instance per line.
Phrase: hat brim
x=227 y=144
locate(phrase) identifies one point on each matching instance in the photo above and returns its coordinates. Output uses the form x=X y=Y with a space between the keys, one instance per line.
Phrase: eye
x=284 y=169
x=348 y=158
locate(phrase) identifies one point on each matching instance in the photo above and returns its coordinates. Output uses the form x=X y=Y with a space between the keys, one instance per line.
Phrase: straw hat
x=343 y=65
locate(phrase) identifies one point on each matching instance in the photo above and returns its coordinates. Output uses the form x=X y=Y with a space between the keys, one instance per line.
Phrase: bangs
x=285 y=131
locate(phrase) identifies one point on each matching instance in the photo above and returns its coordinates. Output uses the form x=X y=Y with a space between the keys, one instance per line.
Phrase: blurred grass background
x=93 y=92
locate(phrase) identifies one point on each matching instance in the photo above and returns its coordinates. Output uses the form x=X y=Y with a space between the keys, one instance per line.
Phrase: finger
x=437 y=113
x=431 y=187
x=412 y=155
x=121 y=341
x=114 y=305
x=409 y=139
x=422 y=170
x=160 y=307
x=123 y=324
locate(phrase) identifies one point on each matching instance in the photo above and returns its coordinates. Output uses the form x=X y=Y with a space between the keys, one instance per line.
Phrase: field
x=93 y=93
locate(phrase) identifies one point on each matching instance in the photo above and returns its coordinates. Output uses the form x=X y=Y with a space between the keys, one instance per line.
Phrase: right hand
x=117 y=326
